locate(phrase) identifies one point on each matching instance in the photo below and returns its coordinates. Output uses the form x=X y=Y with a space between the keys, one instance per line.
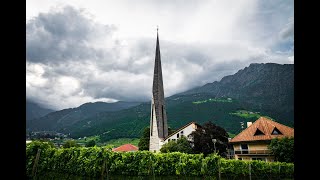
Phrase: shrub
x=98 y=161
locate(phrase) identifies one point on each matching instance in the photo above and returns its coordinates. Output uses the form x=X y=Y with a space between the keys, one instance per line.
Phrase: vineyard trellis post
x=219 y=170
x=279 y=171
x=34 y=168
x=249 y=171
x=107 y=169
x=103 y=169
x=152 y=165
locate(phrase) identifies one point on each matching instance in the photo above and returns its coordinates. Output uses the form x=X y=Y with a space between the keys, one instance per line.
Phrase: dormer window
x=276 y=131
x=258 y=132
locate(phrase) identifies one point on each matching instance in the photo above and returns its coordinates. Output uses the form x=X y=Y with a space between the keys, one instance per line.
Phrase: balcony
x=255 y=151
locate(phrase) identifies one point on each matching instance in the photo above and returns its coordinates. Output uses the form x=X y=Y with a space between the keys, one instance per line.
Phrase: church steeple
x=158 y=119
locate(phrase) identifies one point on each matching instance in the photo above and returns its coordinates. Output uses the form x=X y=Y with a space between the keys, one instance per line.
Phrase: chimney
x=249 y=124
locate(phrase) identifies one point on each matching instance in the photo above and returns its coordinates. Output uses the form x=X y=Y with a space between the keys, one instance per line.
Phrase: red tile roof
x=126 y=147
x=266 y=126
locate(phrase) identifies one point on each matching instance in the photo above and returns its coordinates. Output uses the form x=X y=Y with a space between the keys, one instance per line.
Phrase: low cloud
x=72 y=59
x=288 y=31
x=65 y=35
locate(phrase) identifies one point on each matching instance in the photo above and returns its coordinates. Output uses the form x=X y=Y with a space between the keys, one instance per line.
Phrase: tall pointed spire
x=158 y=119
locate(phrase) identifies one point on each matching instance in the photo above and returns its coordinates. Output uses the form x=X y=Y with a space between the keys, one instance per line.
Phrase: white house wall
x=186 y=131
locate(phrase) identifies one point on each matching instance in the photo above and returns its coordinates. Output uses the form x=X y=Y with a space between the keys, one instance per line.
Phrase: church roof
x=126 y=148
x=158 y=103
x=192 y=122
x=263 y=129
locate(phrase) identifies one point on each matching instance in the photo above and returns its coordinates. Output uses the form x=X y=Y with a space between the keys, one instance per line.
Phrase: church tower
x=158 y=119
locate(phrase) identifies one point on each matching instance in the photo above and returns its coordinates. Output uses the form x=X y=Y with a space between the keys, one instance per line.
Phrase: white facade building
x=183 y=131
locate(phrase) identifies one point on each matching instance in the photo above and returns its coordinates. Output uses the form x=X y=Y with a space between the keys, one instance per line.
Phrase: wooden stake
x=249 y=171
x=34 y=168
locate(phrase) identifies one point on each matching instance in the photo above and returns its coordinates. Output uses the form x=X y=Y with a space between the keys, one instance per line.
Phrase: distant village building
x=252 y=143
x=126 y=148
x=185 y=131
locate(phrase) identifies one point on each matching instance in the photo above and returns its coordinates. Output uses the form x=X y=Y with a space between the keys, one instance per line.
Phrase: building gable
x=183 y=131
x=263 y=129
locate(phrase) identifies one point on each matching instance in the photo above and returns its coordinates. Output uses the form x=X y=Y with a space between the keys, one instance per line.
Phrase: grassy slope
x=180 y=111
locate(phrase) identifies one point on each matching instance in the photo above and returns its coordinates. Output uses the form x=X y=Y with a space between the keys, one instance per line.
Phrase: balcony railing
x=256 y=151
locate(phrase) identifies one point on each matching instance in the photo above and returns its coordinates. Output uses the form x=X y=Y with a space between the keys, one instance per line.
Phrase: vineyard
x=101 y=162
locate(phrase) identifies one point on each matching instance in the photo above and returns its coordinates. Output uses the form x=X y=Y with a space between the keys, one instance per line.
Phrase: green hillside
x=257 y=90
x=131 y=122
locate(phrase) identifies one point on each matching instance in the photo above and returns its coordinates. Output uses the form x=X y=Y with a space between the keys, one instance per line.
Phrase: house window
x=258 y=132
x=239 y=158
x=169 y=140
x=276 y=131
x=178 y=135
x=244 y=148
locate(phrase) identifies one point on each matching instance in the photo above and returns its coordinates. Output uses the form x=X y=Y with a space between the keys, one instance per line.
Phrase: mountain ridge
x=263 y=88
x=34 y=110
x=69 y=116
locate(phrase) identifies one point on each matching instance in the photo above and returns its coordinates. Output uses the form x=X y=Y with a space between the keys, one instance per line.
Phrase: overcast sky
x=82 y=51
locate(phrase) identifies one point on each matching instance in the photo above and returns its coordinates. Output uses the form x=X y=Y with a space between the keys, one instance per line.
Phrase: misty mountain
x=34 y=110
x=62 y=119
x=264 y=89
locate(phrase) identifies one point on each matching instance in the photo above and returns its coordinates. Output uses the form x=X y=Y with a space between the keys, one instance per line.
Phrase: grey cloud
x=65 y=35
x=66 y=67
x=270 y=19
x=288 y=31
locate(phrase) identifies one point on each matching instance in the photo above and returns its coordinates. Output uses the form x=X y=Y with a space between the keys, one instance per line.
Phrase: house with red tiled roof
x=252 y=143
x=126 y=148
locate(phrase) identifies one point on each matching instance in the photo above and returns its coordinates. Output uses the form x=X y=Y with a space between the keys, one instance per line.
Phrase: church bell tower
x=158 y=119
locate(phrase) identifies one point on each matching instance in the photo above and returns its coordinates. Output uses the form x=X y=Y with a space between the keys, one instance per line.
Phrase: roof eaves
x=181 y=129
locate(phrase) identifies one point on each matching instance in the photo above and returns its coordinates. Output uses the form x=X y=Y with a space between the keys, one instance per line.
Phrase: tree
x=91 y=143
x=282 y=149
x=170 y=131
x=202 y=139
x=181 y=145
x=144 y=140
x=70 y=143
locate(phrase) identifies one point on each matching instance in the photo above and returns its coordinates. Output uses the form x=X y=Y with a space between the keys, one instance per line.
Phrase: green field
x=112 y=143
x=224 y=100
x=246 y=114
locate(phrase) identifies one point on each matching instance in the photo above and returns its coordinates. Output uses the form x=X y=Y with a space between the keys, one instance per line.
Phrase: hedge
x=99 y=161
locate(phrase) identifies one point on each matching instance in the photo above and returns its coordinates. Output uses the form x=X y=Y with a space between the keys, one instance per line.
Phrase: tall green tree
x=170 y=130
x=91 y=143
x=70 y=143
x=202 y=139
x=144 y=140
x=283 y=149
x=181 y=145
